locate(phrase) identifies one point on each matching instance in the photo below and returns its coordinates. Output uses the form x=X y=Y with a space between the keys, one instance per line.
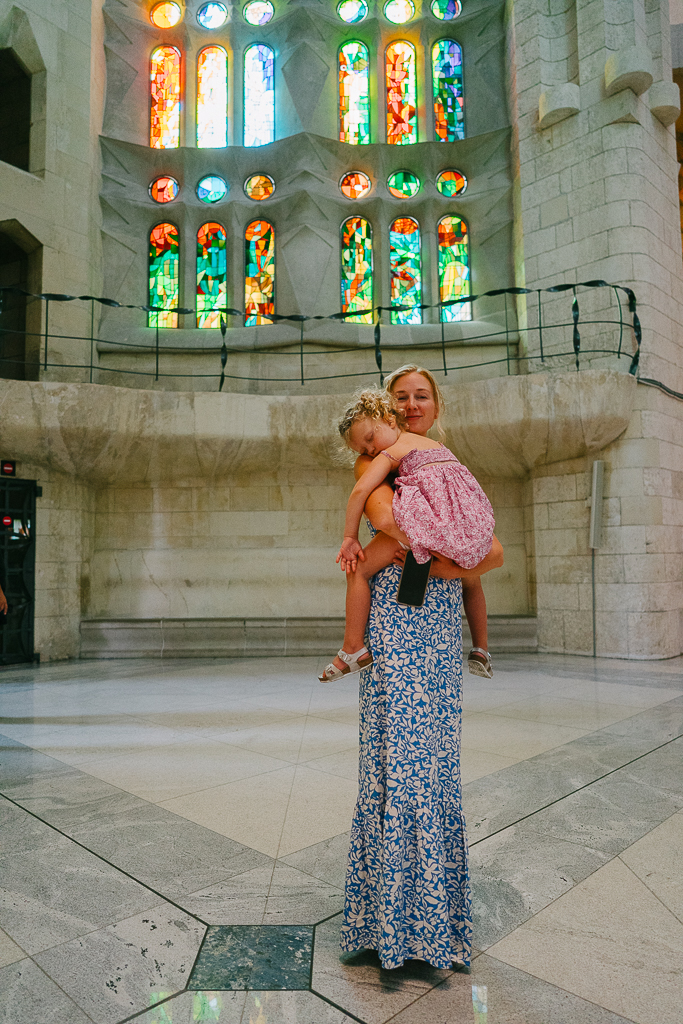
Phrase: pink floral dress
x=441 y=507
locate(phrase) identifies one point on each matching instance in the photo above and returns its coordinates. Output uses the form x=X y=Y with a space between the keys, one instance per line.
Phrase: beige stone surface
x=657 y=859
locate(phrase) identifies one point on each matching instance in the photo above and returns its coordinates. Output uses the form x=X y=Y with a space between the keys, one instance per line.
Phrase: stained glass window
x=406 y=274
x=259 y=273
x=259 y=95
x=356 y=269
x=354 y=94
x=258 y=12
x=451 y=183
x=212 y=189
x=164 y=128
x=401 y=94
x=446 y=10
x=259 y=186
x=352 y=11
x=355 y=185
x=166 y=14
x=454 y=268
x=213 y=15
x=212 y=98
x=211 y=275
x=164 y=189
x=164 y=275
x=399 y=11
x=403 y=184
x=449 y=115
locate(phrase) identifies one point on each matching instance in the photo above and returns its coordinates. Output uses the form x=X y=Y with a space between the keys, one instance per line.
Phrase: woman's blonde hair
x=373 y=404
x=439 y=400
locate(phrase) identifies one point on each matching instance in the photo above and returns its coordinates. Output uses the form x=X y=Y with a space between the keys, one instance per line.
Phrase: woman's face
x=413 y=394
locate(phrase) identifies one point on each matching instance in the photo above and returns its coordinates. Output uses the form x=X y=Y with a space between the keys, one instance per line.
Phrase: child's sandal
x=354 y=663
x=479 y=663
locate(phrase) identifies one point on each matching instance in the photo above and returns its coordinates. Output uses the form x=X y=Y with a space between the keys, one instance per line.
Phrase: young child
x=437 y=504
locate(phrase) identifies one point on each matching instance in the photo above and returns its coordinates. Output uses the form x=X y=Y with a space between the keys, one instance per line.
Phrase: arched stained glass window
x=406 y=272
x=401 y=94
x=259 y=95
x=164 y=120
x=449 y=115
x=211 y=274
x=354 y=94
x=454 y=268
x=356 y=269
x=212 y=98
x=259 y=273
x=164 y=275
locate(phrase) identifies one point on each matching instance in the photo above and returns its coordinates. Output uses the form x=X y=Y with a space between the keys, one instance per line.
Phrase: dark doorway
x=13 y=274
x=18 y=568
x=15 y=111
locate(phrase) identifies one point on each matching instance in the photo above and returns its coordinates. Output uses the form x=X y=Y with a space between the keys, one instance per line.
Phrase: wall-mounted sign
x=7 y=467
x=6 y=520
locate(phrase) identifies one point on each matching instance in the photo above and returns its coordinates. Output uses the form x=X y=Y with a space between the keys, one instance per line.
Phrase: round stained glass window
x=352 y=11
x=355 y=185
x=212 y=15
x=446 y=10
x=164 y=189
x=259 y=186
x=451 y=183
x=166 y=14
x=399 y=11
x=258 y=12
x=212 y=189
x=403 y=184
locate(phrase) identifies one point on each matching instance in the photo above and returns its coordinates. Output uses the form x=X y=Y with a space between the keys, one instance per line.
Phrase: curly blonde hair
x=373 y=404
x=439 y=401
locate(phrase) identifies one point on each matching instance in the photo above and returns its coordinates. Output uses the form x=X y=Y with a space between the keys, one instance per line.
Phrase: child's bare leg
x=474 y=604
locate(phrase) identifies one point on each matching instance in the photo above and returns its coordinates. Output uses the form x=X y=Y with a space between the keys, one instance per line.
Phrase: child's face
x=370 y=437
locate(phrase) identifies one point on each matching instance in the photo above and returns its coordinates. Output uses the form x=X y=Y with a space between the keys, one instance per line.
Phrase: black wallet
x=414 y=580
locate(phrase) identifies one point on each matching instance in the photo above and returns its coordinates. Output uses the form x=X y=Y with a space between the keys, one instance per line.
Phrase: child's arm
x=474 y=603
x=377 y=471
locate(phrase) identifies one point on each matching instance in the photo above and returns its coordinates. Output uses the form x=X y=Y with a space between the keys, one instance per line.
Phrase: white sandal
x=477 y=666
x=355 y=662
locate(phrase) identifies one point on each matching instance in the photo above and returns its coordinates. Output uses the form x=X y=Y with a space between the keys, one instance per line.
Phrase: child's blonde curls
x=375 y=404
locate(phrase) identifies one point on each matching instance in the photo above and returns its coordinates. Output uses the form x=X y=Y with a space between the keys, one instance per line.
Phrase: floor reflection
x=479 y=999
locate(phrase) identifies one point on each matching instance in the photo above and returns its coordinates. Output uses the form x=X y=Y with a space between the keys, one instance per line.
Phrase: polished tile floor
x=173 y=839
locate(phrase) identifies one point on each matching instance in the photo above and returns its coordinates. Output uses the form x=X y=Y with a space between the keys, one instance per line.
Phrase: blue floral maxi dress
x=407 y=885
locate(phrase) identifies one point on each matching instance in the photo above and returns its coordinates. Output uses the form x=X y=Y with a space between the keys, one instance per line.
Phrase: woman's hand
x=445 y=569
x=349 y=554
x=3 y=603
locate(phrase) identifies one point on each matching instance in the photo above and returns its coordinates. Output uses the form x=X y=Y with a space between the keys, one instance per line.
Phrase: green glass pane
x=449 y=114
x=403 y=184
x=406 y=271
x=356 y=269
x=354 y=94
x=164 y=275
x=446 y=10
x=454 y=268
x=211 y=275
x=352 y=11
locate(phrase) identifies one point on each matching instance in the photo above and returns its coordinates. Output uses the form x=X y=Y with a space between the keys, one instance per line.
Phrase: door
x=18 y=568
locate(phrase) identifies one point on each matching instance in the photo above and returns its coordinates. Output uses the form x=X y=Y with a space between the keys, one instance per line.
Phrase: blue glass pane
x=212 y=189
x=259 y=95
x=212 y=15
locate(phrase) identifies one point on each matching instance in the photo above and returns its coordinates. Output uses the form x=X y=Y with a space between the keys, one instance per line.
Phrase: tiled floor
x=173 y=838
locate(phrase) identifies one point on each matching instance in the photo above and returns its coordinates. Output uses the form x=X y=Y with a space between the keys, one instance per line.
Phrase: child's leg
x=474 y=603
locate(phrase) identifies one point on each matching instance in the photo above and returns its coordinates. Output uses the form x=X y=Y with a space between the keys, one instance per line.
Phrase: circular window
x=212 y=189
x=446 y=10
x=258 y=12
x=403 y=184
x=166 y=14
x=451 y=183
x=399 y=11
x=164 y=189
x=355 y=185
x=212 y=15
x=259 y=186
x=352 y=11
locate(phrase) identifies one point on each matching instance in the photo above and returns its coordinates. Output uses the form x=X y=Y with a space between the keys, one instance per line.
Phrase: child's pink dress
x=441 y=507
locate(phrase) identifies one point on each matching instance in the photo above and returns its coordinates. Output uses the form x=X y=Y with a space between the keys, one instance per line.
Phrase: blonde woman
x=407 y=886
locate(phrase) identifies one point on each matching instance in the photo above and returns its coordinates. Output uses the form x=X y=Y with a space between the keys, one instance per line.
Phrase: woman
x=407 y=887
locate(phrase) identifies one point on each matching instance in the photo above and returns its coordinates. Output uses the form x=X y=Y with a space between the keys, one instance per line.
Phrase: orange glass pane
x=164 y=189
x=166 y=14
x=259 y=186
x=164 y=129
x=355 y=185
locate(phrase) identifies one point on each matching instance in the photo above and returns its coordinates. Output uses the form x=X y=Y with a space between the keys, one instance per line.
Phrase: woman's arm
x=447 y=570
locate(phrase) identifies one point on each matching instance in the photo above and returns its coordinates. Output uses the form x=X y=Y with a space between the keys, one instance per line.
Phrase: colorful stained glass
x=259 y=95
x=164 y=127
x=211 y=275
x=164 y=189
x=258 y=12
x=454 y=268
x=352 y=11
x=259 y=186
x=356 y=269
x=212 y=98
x=446 y=10
x=212 y=189
x=399 y=11
x=355 y=185
x=451 y=183
x=406 y=273
x=213 y=15
x=403 y=184
x=166 y=14
x=354 y=94
x=401 y=94
x=449 y=115
x=164 y=275
x=259 y=273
